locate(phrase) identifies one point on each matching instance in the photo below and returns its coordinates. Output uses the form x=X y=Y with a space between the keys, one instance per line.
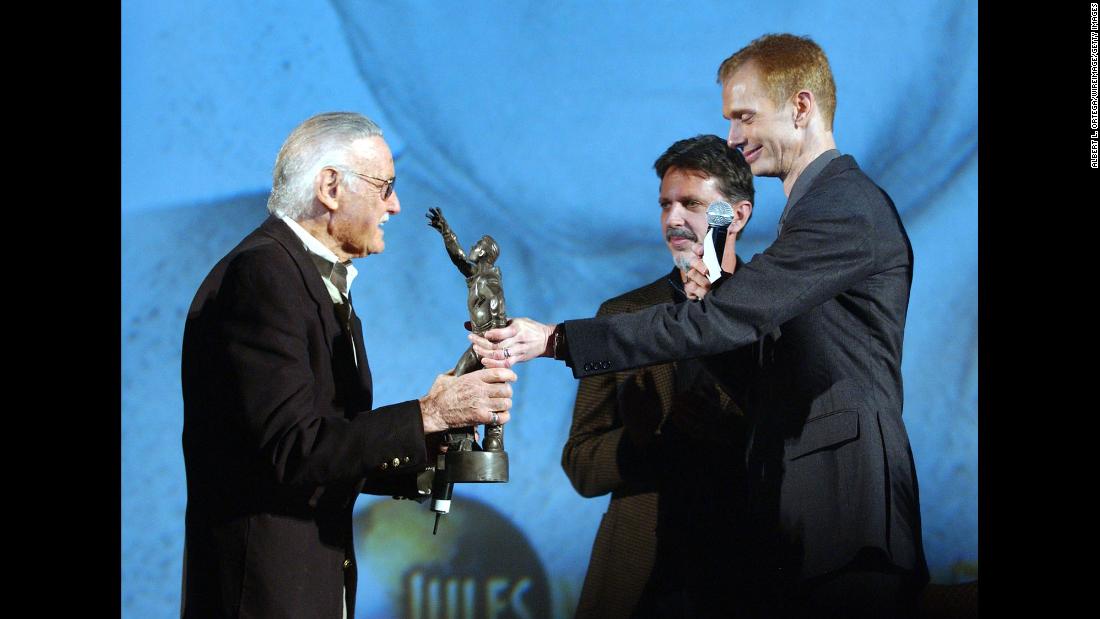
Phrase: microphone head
x=719 y=214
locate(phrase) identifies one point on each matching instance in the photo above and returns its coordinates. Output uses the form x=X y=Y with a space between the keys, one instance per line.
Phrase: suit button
x=606 y=364
x=384 y=466
x=406 y=460
x=347 y=563
x=396 y=462
x=588 y=367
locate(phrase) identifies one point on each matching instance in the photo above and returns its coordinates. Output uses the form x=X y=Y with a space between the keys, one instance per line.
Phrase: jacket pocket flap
x=829 y=430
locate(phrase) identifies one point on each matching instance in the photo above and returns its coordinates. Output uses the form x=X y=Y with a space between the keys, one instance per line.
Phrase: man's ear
x=741 y=213
x=803 y=103
x=326 y=187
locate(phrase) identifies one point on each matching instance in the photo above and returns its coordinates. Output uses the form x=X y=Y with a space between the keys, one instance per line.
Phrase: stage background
x=537 y=123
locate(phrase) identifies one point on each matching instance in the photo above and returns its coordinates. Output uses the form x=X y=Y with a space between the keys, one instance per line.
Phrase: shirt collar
x=677 y=284
x=322 y=256
x=802 y=184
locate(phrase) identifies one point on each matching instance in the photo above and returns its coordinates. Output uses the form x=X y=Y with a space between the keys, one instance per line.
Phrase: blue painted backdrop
x=537 y=123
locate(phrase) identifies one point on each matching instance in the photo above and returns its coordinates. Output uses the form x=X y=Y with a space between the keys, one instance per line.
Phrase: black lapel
x=834 y=167
x=276 y=229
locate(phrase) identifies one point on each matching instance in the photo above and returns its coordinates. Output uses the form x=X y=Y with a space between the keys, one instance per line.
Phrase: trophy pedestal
x=475 y=466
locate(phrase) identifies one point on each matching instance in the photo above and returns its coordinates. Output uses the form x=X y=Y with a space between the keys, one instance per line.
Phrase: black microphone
x=719 y=217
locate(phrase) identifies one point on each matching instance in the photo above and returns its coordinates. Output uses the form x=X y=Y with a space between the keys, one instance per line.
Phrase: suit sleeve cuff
x=404 y=451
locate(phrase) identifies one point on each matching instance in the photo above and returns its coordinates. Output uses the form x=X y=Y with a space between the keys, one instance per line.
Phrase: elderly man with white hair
x=280 y=435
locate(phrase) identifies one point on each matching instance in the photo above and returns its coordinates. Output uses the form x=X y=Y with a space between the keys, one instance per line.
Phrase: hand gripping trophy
x=464 y=460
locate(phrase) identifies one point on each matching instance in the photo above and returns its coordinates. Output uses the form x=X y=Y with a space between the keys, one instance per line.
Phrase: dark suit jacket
x=829 y=458
x=279 y=437
x=661 y=440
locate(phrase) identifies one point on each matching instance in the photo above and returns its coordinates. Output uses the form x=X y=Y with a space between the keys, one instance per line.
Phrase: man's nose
x=736 y=137
x=676 y=214
x=394 y=206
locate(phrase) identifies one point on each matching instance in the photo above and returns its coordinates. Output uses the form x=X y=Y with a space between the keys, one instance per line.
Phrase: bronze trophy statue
x=464 y=460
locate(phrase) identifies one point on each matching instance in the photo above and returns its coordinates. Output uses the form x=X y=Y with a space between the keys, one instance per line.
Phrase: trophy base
x=477 y=466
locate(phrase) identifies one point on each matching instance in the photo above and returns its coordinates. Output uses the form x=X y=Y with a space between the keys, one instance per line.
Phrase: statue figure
x=485 y=300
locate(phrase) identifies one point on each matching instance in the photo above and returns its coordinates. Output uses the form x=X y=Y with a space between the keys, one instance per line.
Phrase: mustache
x=682 y=233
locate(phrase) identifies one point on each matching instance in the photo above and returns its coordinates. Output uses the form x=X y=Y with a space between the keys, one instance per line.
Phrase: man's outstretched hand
x=522 y=340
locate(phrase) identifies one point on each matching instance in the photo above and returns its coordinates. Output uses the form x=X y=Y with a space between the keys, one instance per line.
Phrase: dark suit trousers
x=868 y=588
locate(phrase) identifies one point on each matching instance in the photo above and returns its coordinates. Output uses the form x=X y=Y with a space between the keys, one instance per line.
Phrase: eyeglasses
x=387 y=184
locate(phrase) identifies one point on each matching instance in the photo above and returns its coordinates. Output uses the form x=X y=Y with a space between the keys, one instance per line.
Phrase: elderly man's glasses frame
x=386 y=188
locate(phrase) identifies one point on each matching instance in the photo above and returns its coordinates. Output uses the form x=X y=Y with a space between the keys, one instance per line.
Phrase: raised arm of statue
x=450 y=241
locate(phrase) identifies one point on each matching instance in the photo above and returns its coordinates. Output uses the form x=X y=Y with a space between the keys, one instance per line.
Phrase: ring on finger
x=494 y=419
x=507 y=353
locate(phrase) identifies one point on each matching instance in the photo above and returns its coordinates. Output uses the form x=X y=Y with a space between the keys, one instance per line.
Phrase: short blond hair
x=788 y=64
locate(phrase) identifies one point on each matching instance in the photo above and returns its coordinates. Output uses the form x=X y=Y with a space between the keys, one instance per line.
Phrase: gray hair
x=322 y=140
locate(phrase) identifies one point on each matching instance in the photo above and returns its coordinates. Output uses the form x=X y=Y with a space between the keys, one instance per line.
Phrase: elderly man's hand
x=522 y=340
x=483 y=396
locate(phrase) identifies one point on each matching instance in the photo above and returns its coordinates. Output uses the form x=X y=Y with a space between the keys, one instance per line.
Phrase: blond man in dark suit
x=833 y=491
